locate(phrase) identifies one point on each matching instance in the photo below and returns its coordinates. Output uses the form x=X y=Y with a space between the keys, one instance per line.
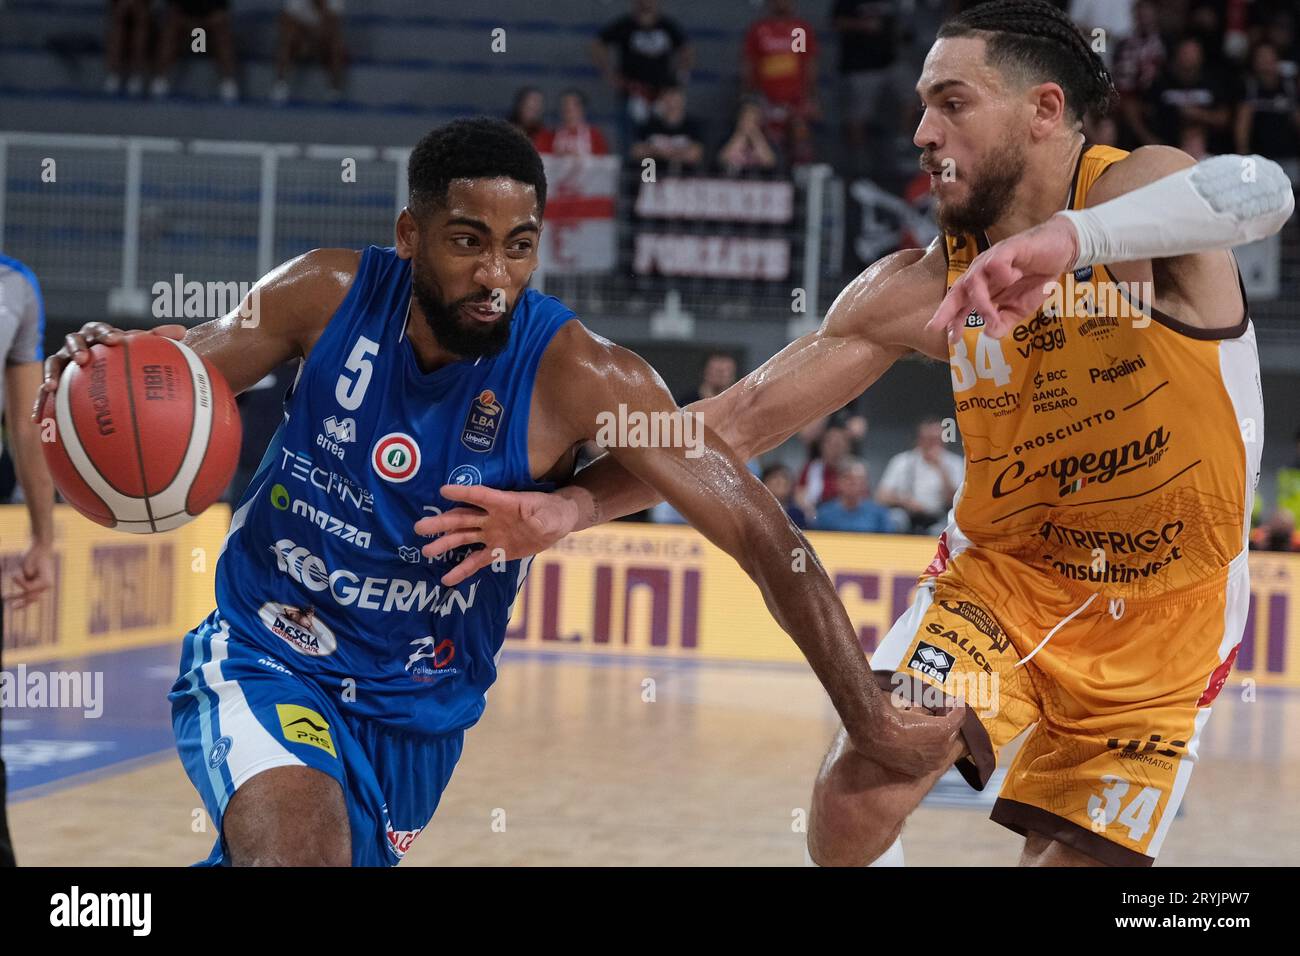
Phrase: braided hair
x=1038 y=39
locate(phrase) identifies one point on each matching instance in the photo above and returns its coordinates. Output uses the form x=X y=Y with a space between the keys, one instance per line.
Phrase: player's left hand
x=33 y=577
x=509 y=525
x=1007 y=282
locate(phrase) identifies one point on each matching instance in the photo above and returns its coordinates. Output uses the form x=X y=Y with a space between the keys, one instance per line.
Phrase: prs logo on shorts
x=931 y=661
x=302 y=725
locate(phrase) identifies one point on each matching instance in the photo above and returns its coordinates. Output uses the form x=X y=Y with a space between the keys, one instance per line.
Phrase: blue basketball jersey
x=321 y=566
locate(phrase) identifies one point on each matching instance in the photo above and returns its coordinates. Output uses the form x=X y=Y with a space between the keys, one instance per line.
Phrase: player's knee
x=325 y=850
x=264 y=824
x=1042 y=850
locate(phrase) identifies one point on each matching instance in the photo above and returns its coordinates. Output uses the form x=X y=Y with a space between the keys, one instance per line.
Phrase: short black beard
x=992 y=187
x=450 y=328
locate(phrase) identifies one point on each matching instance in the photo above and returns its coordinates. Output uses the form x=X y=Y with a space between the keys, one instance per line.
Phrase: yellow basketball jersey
x=1109 y=447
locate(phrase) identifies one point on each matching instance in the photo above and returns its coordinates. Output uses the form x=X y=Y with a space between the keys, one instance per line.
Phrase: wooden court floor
x=571 y=765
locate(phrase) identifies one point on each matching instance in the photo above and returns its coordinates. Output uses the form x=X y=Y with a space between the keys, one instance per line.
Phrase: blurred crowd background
x=705 y=90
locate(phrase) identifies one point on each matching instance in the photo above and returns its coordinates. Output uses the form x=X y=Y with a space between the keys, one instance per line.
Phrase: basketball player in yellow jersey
x=1092 y=582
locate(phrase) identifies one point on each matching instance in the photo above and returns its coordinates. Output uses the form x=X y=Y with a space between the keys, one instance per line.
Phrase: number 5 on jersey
x=989 y=363
x=355 y=377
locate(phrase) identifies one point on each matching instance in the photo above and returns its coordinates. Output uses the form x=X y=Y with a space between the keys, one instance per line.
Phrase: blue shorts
x=237 y=711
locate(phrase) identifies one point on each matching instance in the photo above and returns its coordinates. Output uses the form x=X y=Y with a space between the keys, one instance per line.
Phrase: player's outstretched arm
x=877 y=318
x=1157 y=208
x=678 y=456
x=280 y=319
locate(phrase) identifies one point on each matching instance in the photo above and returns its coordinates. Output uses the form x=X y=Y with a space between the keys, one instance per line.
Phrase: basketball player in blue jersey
x=321 y=707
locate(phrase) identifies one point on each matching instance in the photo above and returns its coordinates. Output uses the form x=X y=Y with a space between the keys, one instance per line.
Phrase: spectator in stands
x=1204 y=22
x=671 y=136
x=1139 y=63
x=870 y=90
x=1101 y=130
x=856 y=425
x=781 y=67
x=529 y=113
x=820 y=478
x=852 y=508
x=747 y=148
x=718 y=375
x=574 y=136
x=129 y=26
x=1194 y=140
x=183 y=16
x=654 y=54
x=1114 y=18
x=1279 y=30
x=795 y=451
x=923 y=480
x=1288 y=483
x=1278 y=533
x=307 y=27
x=1268 y=116
x=780 y=482
x=1188 y=93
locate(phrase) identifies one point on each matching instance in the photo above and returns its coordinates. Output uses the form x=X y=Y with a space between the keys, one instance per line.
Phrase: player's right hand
x=913 y=740
x=76 y=348
x=509 y=525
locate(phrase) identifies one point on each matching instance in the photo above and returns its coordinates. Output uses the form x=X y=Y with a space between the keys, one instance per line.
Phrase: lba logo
x=396 y=457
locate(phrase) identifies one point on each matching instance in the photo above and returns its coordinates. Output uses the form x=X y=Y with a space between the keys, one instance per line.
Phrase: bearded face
x=468 y=326
x=987 y=194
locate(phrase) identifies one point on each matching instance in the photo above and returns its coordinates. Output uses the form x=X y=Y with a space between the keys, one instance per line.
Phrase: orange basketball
x=146 y=434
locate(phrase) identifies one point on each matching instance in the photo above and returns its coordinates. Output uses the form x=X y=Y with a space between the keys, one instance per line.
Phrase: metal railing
x=101 y=219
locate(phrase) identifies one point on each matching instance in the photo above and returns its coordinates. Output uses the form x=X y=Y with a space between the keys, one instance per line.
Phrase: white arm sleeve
x=1219 y=203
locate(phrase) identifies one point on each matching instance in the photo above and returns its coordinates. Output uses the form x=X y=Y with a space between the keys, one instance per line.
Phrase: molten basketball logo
x=396 y=457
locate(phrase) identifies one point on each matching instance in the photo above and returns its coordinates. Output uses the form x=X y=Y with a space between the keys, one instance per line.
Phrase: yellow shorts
x=1117 y=693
